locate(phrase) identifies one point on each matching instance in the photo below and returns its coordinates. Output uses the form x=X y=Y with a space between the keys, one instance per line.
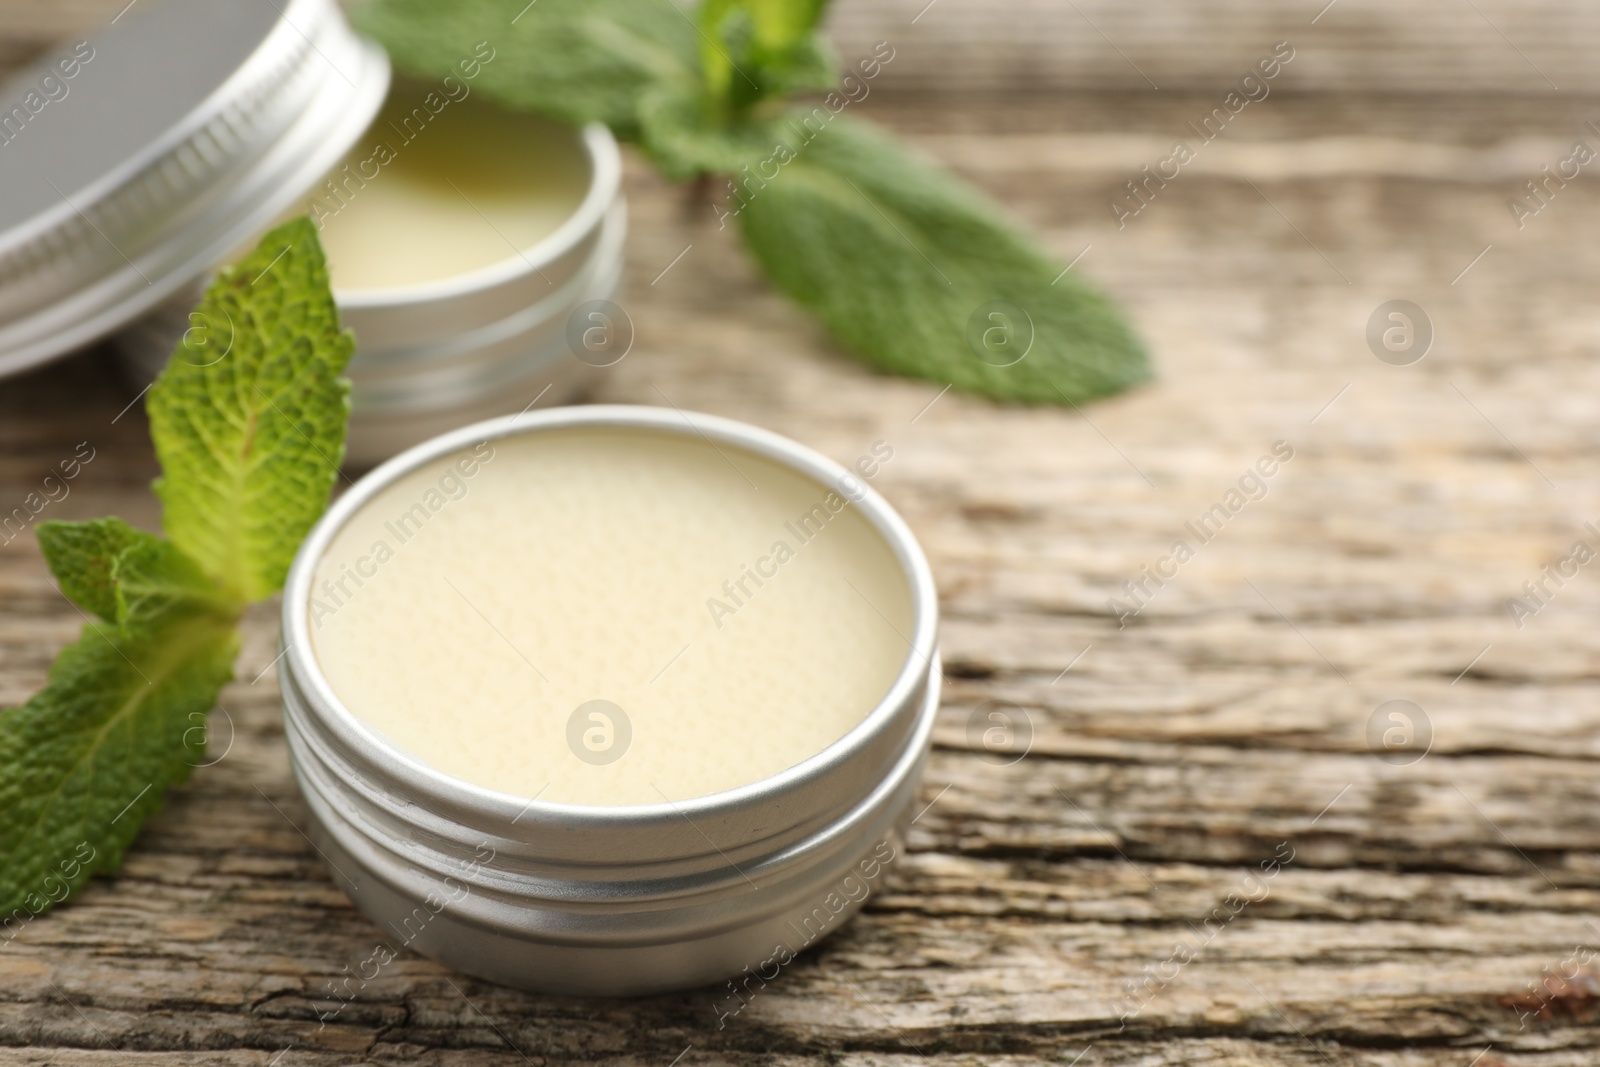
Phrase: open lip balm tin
x=435 y=354
x=614 y=899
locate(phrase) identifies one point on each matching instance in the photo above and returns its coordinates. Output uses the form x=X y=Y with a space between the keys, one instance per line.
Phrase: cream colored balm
x=444 y=184
x=606 y=616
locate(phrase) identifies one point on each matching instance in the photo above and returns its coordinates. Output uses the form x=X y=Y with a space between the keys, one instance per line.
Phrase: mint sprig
x=248 y=420
x=911 y=268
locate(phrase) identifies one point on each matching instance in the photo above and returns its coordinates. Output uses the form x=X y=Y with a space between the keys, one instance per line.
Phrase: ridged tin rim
x=331 y=116
x=611 y=889
x=435 y=790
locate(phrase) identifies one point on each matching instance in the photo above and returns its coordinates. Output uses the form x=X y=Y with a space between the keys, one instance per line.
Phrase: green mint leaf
x=921 y=275
x=911 y=268
x=753 y=50
x=716 y=65
x=90 y=756
x=81 y=555
x=782 y=24
x=684 y=141
x=809 y=65
x=156 y=581
x=248 y=421
x=248 y=418
x=576 y=60
x=124 y=575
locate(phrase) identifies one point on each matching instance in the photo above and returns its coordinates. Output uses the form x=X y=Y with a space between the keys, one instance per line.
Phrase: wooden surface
x=1541 y=47
x=1420 y=46
x=1226 y=725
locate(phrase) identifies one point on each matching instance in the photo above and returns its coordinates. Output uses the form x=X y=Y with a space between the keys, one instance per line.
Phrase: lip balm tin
x=594 y=900
x=436 y=355
x=185 y=128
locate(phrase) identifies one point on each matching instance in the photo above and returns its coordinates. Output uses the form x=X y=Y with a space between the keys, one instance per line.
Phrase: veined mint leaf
x=156 y=581
x=576 y=60
x=127 y=576
x=81 y=554
x=923 y=276
x=89 y=758
x=248 y=418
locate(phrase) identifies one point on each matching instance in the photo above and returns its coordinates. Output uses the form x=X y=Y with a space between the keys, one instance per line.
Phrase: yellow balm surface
x=609 y=616
x=442 y=187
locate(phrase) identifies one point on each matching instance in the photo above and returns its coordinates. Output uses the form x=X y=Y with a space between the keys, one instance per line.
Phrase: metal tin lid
x=182 y=131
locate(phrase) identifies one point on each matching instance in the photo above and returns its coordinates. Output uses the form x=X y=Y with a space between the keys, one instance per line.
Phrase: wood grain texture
x=1225 y=724
x=1494 y=47
x=1363 y=46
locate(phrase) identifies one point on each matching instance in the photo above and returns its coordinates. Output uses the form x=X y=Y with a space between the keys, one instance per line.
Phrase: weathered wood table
x=1212 y=853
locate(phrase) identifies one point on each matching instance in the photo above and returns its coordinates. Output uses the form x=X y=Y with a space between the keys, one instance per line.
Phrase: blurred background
x=1361 y=47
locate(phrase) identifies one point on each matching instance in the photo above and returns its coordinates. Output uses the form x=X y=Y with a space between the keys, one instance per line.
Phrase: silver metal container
x=434 y=356
x=610 y=900
x=182 y=130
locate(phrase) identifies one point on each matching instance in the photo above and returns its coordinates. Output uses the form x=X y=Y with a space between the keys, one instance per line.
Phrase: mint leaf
x=81 y=554
x=248 y=417
x=752 y=50
x=783 y=24
x=911 y=268
x=155 y=581
x=923 y=276
x=576 y=60
x=248 y=421
x=89 y=757
x=127 y=576
x=684 y=141
x=808 y=65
